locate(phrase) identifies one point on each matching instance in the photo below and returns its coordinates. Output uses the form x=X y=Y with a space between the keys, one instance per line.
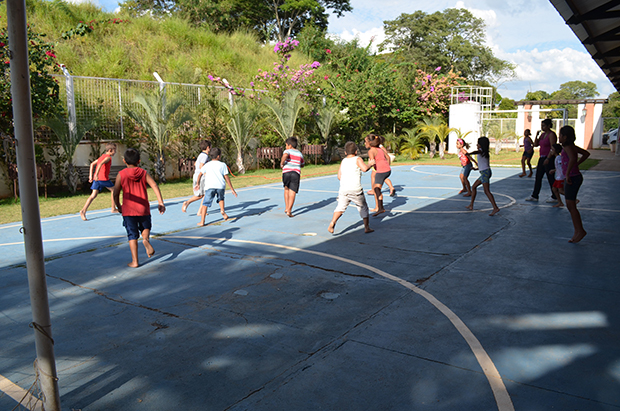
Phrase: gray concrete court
x=438 y=309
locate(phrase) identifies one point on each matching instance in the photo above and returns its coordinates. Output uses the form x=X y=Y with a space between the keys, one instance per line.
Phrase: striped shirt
x=295 y=161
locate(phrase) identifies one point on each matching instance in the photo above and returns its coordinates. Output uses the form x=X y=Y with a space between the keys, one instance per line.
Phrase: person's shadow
x=314 y=206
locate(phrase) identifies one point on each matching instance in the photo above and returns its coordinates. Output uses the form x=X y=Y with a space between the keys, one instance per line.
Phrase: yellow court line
x=502 y=398
x=20 y=395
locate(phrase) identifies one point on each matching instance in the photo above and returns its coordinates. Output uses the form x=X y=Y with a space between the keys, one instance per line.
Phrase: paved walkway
x=609 y=161
x=438 y=309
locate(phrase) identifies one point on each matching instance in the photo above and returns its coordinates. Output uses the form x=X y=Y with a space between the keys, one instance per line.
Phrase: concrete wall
x=464 y=116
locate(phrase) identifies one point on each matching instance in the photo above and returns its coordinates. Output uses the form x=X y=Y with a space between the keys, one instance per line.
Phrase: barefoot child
x=558 y=184
x=99 y=175
x=382 y=166
x=215 y=176
x=528 y=152
x=570 y=167
x=466 y=162
x=136 y=210
x=482 y=155
x=350 y=176
x=203 y=158
x=291 y=163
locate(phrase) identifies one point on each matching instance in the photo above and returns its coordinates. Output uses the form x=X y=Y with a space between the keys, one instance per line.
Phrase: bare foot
x=558 y=205
x=462 y=191
x=114 y=211
x=383 y=210
x=200 y=224
x=288 y=213
x=83 y=215
x=467 y=195
x=530 y=175
x=578 y=237
x=393 y=193
x=495 y=211
x=184 y=208
x=374 y=210
x=368 y=230
x=370 y=192
x=225 y=216
x=150 y=251
x=522 y=175
x=331 y=228
x=470 y=207
x=133 y=264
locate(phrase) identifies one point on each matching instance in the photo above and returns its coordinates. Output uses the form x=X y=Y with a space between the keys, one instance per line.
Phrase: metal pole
x=31 y=218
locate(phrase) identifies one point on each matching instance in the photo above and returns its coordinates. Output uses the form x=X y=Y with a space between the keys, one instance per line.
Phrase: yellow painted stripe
x=21 y=396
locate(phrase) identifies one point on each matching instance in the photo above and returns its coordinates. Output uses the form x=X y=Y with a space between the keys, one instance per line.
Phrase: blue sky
x=529 y=33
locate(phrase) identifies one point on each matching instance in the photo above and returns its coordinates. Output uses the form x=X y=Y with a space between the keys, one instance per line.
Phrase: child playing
x=100 y=178
x=215 y=175
x=482 y=155
x=574 y=179
x=528 y=152
x=388 y=182
x=292 y=161
x=350 y=176
x=466 y=162
x=203 y=158
x=558 y=184
x=382 y=166
x=136 y=210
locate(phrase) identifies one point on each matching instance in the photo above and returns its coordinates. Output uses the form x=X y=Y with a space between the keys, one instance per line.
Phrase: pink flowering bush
x=433 y=90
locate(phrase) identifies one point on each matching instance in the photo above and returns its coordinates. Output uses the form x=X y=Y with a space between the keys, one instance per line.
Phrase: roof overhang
x=597 y=25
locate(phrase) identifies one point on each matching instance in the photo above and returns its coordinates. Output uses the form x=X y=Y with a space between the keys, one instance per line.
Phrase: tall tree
x=450 y=38
x=575 y=90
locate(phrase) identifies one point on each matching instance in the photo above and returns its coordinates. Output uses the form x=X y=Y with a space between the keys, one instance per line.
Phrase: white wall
x=464 y=116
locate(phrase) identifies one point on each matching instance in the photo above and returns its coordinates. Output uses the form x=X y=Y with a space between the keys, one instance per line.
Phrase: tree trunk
x=240 y=165
x=433 y=146
x=160 y=169
x=442 y=149
x=71 y=178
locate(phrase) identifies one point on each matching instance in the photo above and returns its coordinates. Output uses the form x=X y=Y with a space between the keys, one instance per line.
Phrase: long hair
x=484 y=144
x=569 y=133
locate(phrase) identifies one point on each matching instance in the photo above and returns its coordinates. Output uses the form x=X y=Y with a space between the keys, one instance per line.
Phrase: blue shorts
x=210 y=194
x=485 y=176
x=467 y=169
x=135 y=225
x=101 y=184
x=571 y=190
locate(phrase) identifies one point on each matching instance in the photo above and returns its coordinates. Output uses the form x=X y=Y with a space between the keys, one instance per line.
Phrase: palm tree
x=435 y=129
x=285 y=112
x=241 y=125
x=393 y=142
x=413 y=143
x=158 y=117
x=69 y=141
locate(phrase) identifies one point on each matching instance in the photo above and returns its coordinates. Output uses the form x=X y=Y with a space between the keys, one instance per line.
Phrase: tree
x=413 y=143
x=285 y=113
x=242 y=123
x=435 y=129
x=450 y=38
x=158 y=117
x=575 y=90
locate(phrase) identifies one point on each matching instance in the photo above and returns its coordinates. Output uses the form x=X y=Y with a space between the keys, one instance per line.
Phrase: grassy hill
x=133 y=48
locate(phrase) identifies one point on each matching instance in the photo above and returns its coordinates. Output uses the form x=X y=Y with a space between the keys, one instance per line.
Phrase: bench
x=269 y=153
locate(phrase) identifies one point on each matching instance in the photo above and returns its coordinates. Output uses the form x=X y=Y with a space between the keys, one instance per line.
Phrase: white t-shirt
x=213 y=174
x=350 y=176
x=483 y=162
x=202 y=159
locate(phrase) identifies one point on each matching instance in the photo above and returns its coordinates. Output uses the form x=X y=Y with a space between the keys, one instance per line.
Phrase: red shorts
x=558 y=184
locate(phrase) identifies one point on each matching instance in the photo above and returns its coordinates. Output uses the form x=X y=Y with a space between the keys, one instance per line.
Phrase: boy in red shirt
x=136 y=211
x=100 y=178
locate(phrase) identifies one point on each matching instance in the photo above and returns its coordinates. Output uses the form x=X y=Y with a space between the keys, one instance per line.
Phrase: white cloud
x=377 y=35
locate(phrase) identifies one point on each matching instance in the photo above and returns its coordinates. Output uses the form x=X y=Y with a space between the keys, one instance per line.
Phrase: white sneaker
x=531 y=199
x=551 y=200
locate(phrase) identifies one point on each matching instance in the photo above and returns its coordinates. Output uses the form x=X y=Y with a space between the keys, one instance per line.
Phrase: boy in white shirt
x=216 y=176
x=350 y=176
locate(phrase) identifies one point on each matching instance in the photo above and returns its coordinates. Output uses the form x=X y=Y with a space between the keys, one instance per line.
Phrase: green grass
x=65 y=203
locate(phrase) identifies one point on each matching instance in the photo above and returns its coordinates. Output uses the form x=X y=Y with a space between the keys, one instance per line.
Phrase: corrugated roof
x=597 y=25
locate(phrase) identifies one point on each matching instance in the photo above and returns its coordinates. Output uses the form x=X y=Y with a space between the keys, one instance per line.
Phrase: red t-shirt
x=104 y=171
x=135 y=198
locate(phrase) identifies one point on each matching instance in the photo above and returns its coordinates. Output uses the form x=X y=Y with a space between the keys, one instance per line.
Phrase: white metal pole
x=31 y=218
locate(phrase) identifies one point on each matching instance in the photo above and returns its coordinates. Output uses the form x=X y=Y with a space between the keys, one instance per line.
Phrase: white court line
x=54 y=240
x=502 y=398
x=20 y=395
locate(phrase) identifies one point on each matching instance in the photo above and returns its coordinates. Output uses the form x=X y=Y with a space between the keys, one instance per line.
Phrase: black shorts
x=381 y=177
x=571 y=190
x=291 y=180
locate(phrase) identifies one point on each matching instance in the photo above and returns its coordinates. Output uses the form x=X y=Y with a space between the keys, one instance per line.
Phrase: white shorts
x=358 y=200
x=201 y=191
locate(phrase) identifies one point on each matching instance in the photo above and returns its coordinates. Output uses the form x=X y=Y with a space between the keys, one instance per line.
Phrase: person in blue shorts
x=99 y=176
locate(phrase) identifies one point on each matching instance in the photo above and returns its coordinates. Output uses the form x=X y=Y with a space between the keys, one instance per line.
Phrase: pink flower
x=49 y=53
x=328 y=51
x=438 y=68
x=326 y=77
